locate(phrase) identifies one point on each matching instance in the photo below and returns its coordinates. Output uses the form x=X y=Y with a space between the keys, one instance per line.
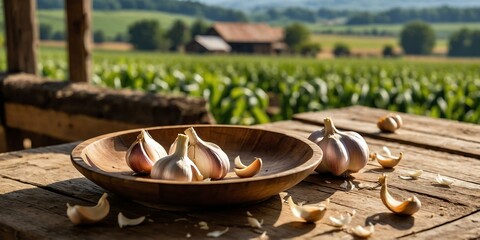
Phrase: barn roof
x=212 y=43
x=248 y=32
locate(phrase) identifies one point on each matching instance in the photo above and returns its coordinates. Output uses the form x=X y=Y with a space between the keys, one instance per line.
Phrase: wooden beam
x=21 y=35
x=79 y=14
x=60 y=125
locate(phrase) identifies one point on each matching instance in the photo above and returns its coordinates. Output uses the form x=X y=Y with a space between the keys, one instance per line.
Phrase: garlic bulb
x=407 y=207
x=210 y=159
x=342 y=151
x=177 y=166
x=143 y=153
x=86 y=215
x=390 y=123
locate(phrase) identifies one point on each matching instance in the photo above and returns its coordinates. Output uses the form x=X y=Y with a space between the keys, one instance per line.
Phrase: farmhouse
x=255 y=38
x=208 y=44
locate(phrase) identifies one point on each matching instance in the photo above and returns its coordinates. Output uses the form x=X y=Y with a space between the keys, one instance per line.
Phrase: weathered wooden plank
x=464 y=228
x=443 y=127
x=54 y=172
x=69 y=127
x=21 y=35
x=433 y=134
x=79 y=14
x=451 y=165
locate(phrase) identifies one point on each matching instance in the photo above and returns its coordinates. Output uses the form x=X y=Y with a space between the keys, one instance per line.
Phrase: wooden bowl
x=287 y=160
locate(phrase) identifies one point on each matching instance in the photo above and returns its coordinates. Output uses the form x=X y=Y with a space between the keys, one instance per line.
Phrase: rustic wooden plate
x=287 y=160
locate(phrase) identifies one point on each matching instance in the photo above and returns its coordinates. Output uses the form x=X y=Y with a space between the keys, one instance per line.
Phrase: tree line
x=188 y=7
x=391 y=16
x=399 y=15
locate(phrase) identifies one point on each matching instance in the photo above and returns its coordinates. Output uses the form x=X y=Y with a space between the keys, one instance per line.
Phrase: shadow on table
x=380 y=170
x=395 y=221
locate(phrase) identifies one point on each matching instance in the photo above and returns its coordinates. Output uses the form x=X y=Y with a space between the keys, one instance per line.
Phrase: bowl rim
x=77 y=159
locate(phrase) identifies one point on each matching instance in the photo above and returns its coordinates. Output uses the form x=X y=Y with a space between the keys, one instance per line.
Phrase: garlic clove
x=177 y=166
x=218 y=233
x=388 y=161
x=153 y=149
x=124 y=221
x=398 y=120
x=211 y=160
x=80 y=215
x=250 y=170
x=341 y=221
x=203 y=225
x=362 y=232
x=308 y=213
x=254 y=223
x=411 y=175
x=407 y=207
x=387 y=151
x=443 y=180
x=389 y=123
x=238 y=163
x=143 y=153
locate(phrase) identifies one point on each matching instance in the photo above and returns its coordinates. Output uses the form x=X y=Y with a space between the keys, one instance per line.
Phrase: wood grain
x=61 y=125
x=36 y=184
x=21 y=36
x=79 y=18
x=445 y=135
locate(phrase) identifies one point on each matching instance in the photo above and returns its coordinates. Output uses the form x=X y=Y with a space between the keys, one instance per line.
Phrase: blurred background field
x=252 y=88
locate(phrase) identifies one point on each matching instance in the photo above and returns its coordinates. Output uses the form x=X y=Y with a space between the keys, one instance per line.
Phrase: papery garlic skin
x=210 y=159
x=143 y=153
x=342 y=151
x=124 y=221
x=177 y=166
x=81 y=215
x=362 y=232
x=308 y=213
x=407 y=207
x=443 y=180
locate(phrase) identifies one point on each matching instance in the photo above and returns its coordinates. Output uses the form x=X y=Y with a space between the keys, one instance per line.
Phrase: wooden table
x=36 y=184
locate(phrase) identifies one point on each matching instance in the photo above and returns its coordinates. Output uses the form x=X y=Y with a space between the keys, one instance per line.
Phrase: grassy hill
x=112 y=22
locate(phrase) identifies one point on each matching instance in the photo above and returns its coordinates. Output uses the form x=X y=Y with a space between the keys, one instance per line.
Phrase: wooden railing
x=50 y=112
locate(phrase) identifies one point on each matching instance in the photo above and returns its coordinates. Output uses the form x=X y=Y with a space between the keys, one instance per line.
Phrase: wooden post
x=79 y=14
x=21 y=35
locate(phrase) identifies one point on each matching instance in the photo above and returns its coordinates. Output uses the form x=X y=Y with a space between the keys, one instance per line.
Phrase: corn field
x=251 y=90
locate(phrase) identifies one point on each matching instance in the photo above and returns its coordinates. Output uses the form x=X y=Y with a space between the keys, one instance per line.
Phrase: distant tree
x=178 y=34
x=58 y=36
x=99 y=36
x=147 y=35
x=296 y=34
x=465 y=43
x=417 y=37
x=199 y=27
x=310 y=49
x=120 y=37
x=341 y=50
x=46 y=31
x=388 y=51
